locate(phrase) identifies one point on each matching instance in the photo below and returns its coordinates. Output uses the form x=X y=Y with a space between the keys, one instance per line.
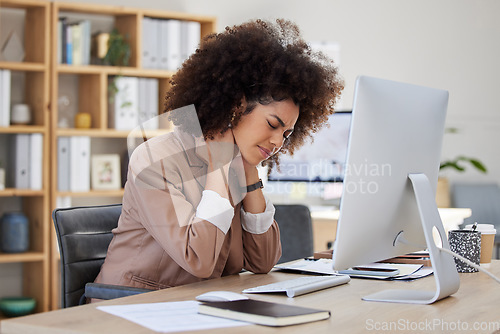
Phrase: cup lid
x=483 y=228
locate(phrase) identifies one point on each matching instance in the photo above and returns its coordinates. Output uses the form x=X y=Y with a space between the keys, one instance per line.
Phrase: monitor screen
x=321 y=158
x=396 y=133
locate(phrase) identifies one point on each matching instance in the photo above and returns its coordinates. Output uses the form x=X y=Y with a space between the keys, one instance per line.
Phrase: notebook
x=263 y=313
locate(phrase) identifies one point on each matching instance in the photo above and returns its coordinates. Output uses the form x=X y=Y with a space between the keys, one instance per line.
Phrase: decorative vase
x=20 y=114
x=83 y=120
x=14 y=233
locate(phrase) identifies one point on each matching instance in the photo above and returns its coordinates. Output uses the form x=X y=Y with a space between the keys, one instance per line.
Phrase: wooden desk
x=475 y=304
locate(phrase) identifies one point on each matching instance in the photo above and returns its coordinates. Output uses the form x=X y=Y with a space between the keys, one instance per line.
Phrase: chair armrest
x=108 y=291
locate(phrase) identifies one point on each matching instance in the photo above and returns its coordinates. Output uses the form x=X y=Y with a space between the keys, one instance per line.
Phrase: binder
x=143 y=101
x=80 y=163
x=149 y=43
x=190 y=38
x=126 y=104
x=20 y=169
x=36 y=161
x=171 y=29
x=5 y=76
x=152 y=104
x=150 y=46
x=63 y=163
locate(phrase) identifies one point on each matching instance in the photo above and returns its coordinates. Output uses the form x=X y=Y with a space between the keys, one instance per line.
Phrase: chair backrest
x=83 y=234
x=295 y=223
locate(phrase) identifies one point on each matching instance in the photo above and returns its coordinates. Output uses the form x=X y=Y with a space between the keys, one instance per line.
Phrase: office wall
x=448 y=44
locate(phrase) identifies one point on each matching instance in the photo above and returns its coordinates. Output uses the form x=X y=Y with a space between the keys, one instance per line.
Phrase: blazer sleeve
x=261 y=242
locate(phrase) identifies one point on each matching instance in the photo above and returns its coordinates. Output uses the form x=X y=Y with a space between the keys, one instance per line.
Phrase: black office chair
x=84 y=234
x=295 y=223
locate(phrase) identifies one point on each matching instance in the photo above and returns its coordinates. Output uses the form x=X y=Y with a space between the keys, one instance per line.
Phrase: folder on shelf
x=125 y=115
x=150 y=45
x=79 y=163
x=171 y=39
x=152 y=104
x=190 y=38
x=63 y=164
x=36 y=161
x=5 y=97
x=20 y=167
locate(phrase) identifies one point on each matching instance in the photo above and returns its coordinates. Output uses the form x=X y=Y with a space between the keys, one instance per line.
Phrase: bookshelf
x=89 y=94
x=29 y=83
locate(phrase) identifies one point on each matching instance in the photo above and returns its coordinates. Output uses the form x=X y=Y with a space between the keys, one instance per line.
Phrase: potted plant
x=458 y=164
x=118 y=54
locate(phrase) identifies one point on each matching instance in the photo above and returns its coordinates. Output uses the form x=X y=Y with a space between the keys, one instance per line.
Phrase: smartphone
x=370 y=271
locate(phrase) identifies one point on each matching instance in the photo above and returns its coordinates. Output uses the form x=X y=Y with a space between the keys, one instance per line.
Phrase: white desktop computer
x=388 y=203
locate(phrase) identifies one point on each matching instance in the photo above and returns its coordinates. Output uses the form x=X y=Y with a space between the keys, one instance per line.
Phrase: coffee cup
x=466 y=243
x=488 y=233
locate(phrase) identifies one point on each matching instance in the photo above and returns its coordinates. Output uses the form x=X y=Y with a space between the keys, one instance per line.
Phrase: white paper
x=169 y=317
x=325 y=266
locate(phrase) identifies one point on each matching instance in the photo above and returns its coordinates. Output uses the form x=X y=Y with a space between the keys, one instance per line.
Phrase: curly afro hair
x=261 y=62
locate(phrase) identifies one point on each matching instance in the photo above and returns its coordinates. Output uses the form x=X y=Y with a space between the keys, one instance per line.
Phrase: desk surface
x=474 y=305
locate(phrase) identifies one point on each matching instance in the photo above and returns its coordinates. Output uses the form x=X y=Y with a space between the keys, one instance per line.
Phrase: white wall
x=448 y=44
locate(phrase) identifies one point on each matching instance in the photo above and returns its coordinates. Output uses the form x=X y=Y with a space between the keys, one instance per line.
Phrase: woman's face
x=261 y=133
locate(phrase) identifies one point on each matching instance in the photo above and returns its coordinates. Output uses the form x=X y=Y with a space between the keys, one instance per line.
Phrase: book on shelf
x=73 y=40
x=262 y=312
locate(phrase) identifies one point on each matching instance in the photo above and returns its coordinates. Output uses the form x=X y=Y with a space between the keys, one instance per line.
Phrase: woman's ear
x=240 y=109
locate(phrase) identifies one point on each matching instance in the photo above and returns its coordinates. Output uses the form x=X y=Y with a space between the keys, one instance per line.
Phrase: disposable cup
x=488 y=233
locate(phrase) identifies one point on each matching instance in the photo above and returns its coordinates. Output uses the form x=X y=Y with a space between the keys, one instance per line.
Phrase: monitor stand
x=443 y=264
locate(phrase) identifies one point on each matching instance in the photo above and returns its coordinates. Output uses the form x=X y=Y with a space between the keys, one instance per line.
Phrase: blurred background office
x=447 y=44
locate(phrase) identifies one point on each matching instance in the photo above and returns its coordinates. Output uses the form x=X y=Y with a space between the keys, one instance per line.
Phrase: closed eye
x=272 y=126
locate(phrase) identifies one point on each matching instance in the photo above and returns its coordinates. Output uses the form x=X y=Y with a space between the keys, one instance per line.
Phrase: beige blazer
x=159 y=242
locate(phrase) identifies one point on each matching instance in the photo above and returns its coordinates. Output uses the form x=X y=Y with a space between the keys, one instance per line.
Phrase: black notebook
x=263 y=313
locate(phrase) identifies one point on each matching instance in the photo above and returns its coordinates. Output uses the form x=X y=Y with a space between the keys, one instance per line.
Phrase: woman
x=193 y=206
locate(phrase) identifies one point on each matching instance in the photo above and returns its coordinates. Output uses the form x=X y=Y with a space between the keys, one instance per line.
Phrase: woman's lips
x=265 y=152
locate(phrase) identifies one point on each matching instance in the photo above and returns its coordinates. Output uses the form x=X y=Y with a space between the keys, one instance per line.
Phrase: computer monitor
x=388 y=203
x=312 y=162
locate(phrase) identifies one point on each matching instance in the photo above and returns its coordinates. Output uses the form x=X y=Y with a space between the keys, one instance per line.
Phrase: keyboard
x=301 y=285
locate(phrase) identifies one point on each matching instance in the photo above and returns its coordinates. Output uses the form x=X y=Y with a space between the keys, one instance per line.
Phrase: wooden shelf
x=24 y=129
x=109 y=133
x=22 y=257
x=113 y=70
x=14 y=192
x=92 y=193
x=23 y=66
